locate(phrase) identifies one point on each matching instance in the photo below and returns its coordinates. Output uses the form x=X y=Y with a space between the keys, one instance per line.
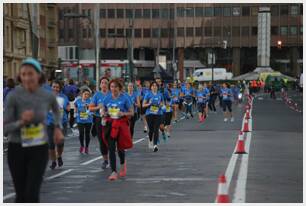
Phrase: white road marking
x=90 y=161
x=240 y=190
x=8 y=196
x=58 y=175
x=168 y=179
x=140 y=140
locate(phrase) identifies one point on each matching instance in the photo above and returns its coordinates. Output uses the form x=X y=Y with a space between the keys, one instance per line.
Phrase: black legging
x=99 y=128
x=154 y=122
x=84 y=127
x=132 y=123
x=27 y=167
x=71 y=120
x=112 y=148
x=211 y=103
x=188 y=108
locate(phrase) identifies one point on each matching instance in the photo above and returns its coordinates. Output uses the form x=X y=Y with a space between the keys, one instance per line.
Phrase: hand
x=58 y=136
x=26 y=117
x=120 y=114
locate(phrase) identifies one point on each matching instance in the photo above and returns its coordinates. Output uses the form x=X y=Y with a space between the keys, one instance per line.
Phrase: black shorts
x=167 y=118
x=50 y=132
x=228 y=104
x=201 y=107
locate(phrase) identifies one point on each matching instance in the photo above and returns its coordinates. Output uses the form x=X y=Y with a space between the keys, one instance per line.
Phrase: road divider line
x=58 y=175
x=240 y=190
x=140 y=140
x=8 y=196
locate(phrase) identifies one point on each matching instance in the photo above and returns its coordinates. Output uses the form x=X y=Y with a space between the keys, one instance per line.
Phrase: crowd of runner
x=38 y=114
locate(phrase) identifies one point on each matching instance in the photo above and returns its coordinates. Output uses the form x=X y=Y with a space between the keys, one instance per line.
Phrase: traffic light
x=279 y=44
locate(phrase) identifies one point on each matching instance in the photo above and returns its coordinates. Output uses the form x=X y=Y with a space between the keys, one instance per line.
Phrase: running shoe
x=86 y=150
x=225 y=119
x=232 y=119
x=150 y=144
x=175 y=121
x=53 y=165
x=60 y=161
x=105 y=164
x=122 y=172
x=82 y=149
x=113 y=176
x=155 y=149
x=145 y=129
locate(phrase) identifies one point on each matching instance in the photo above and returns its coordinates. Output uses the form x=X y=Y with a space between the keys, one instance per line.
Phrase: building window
x=83 y=12
x=180 y=12
x=155 y=13
x=89 y=12
x=189 y=32
x=236 y=11
x=84 y=33
x=146 y=33
x=284 y=30
x=171 y=13
x=111 y=13
x=227 y=11
x=137 y=33
x=294 y=10
x=254 y=11
x=164 y=33
x=89 y=33
x=245 y=31
x=164 y=13
x=111 y=33
x=245 y=11
x=155 y=32
x=128 y=13
x=218 y=11
x=190 y=12
x=301 y=30
x=236 y=31
x=284 y=10
x=198 y=31
x=293 y=30
x=138 y=13
x=209 y=11
x=120 y=32
x=217 y=31
x=102 y=13
x=128 y=32
x=208 y=31
x=147 y=13
x=61 y=33
x=70 y=33
x=199 y=12
x=181 y=32
x=226 y=31
x=274 y=10
x=254 y=31
x=120 y=13
x=102 y=33
x=274 y=30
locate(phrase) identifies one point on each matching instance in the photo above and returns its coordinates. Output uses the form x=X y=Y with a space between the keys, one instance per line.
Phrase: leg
x=87 y=134
x=81 y=134
x=156 y=125
x=17 y=167
x=151 y=126
x=112 y=151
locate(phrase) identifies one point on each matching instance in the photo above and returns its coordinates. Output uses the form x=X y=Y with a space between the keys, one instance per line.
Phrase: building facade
x=193 y=29
x=17 y=38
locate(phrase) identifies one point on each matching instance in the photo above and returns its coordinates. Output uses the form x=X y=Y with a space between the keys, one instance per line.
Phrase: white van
x=205 y=74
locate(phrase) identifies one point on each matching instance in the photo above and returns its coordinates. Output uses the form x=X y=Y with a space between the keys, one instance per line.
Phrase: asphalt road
x=186 y=169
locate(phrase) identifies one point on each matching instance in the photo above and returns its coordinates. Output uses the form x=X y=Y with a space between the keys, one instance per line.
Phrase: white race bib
x=33 y=135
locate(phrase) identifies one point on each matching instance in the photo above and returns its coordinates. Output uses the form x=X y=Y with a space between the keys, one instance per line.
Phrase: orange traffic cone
x=247 y=115
x=246 y=126
x=240 y=144
x=222 y=196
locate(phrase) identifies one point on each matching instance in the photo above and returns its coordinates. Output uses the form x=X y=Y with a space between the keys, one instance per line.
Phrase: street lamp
x=279 y=44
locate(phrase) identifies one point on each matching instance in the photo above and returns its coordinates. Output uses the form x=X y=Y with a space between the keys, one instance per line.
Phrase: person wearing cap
x=84 y=119
x=24 y=123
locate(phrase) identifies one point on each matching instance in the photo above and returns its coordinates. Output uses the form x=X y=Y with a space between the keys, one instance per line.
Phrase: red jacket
x=121 y=131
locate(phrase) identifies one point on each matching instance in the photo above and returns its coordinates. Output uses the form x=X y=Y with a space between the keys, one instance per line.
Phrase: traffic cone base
x=240 y=144
x=223 y=199
x=246 y=126
x=222 y=196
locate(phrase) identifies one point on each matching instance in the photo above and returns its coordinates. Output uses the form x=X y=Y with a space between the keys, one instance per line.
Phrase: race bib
x=33 y=135
x=154 y=109
x=168 y=108
x=114 y=112
x=83 y=115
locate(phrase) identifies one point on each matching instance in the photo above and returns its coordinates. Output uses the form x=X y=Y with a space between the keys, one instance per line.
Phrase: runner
x=24 y=123
x=84 y=119
x=136 y=102
x=213 y=96
x=153 y=101
x=175 y=93
x=200 y=103
x=95 y=106
x=206 y=95
x=71 y=91
x=188 y=95
x=145 y=90
x=167 y=109
x=64 y=108
x=227 y=95
x=117 y=108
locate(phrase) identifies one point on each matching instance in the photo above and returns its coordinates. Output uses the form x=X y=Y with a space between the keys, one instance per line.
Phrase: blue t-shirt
x=63 y=102
x=114 y=106
x=168 y=107
x=70 y=89
x=145 y=91
x=83 y=114
x=188 y=93
x=98 y=99
x=175 y=93
x=133 y=98
x=156 y=100
x=226 y=94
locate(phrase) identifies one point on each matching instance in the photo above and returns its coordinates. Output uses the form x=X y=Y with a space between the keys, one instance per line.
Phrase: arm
x=138 y=101
x=10 y=124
